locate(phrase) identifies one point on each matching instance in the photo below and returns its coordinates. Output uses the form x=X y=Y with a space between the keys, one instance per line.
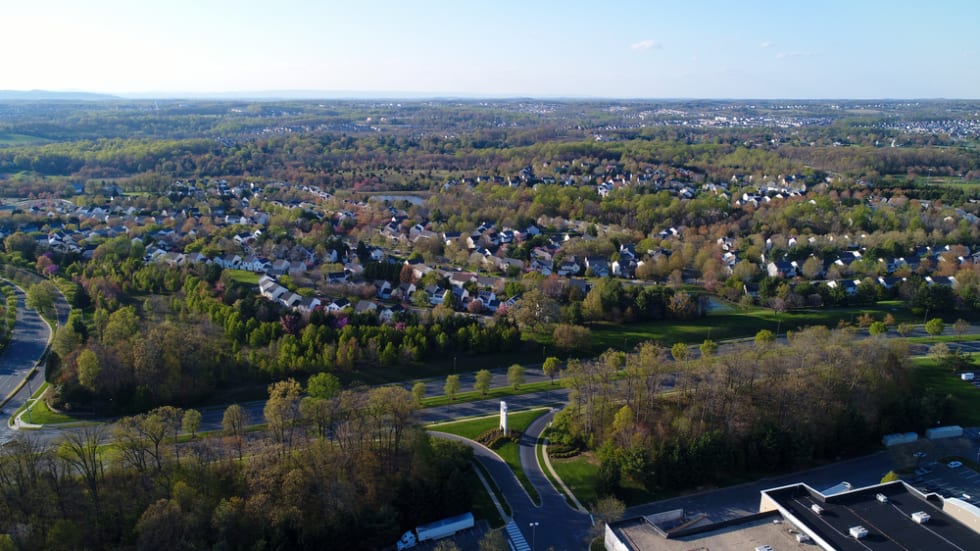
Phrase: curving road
x=27 y=344
x=559 y=526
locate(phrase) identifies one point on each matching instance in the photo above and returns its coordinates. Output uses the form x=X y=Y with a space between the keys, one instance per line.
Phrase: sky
x=502 y=48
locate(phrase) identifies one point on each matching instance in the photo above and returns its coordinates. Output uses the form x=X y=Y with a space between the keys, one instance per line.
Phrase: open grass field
x=732 y=324
x=10 y=139
x=949 y=181
x=965 y=397
x=244 y=277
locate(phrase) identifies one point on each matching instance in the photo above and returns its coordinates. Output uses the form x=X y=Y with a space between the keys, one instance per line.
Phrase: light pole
x=29 y=393
x=533 y=526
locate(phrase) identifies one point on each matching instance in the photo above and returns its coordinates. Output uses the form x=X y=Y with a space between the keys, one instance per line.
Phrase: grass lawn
x=497 y=392
x=580 y=474
x=475 y=427
x=8 y=138
x=509 y=451
x=444 y=365
x=943 y=338
x=42 y=415
x=927 y=374
x=244 y=277
x=733 y=324
x=539 y=452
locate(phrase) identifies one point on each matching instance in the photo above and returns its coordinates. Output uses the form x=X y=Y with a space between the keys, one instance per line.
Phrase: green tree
x=483 y=380
x=88 y=369
x=904 y=329
x=679 y=351
x=550 y=367
x=281 y=412
x=323 y=385
x=515 y=375
x=764 y=337
x=40 y=297
x=708 y=348
x=935 y=326
x=452 y=386
x=571 y=338
x=20 y=242
x=418 y=392
x=233 y=425
x=877 y=328
x=191 y=422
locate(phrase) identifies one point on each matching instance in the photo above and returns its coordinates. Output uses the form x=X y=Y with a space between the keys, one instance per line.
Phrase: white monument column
x=503 y=418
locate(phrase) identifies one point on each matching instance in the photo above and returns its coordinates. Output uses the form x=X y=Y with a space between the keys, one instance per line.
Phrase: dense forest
x=766 y=407
x=136 y=485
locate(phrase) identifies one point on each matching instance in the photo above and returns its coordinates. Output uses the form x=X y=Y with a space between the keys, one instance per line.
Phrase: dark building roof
x=889 y=522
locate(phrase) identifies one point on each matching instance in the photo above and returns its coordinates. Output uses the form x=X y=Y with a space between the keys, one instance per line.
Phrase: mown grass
x=243 y=277
x=539 y=454
x=509 y=452
x=943 y=338
x=472 y=428
x=581 y=475
x=964 y=397
x=733 y=324
x=496 y=392
x=9 y=138
x=41 y=414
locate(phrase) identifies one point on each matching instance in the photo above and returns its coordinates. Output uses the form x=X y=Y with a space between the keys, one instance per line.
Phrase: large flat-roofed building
x=884 y=516
x=746 y=533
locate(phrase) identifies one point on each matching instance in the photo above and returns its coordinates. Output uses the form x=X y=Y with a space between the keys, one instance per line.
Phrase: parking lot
x=933 y=472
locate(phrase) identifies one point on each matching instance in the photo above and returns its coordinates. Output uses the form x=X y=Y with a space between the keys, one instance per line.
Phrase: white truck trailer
x=435 y=530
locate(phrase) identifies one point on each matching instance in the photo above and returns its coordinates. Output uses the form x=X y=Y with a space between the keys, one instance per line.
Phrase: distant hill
x=37 y=95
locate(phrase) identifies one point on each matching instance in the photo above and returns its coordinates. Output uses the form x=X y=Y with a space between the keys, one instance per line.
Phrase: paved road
x=467 y=379
x=29 y=339
x=557 y=397
x=559 y=526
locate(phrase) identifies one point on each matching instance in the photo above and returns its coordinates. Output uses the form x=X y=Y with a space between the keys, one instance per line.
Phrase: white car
x=954 y=464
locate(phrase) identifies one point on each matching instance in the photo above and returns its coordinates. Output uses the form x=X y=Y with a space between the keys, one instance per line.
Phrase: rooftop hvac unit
x=802 y=538
x=858 y=532
x=920 y=517
x=817 y=509
x=882 y=498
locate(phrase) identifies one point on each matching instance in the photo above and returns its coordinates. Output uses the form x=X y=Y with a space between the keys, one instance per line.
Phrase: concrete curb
x=568 y=492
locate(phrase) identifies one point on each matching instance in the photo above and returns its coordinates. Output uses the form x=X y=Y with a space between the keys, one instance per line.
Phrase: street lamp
x=29 y=393
x=533 y=526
